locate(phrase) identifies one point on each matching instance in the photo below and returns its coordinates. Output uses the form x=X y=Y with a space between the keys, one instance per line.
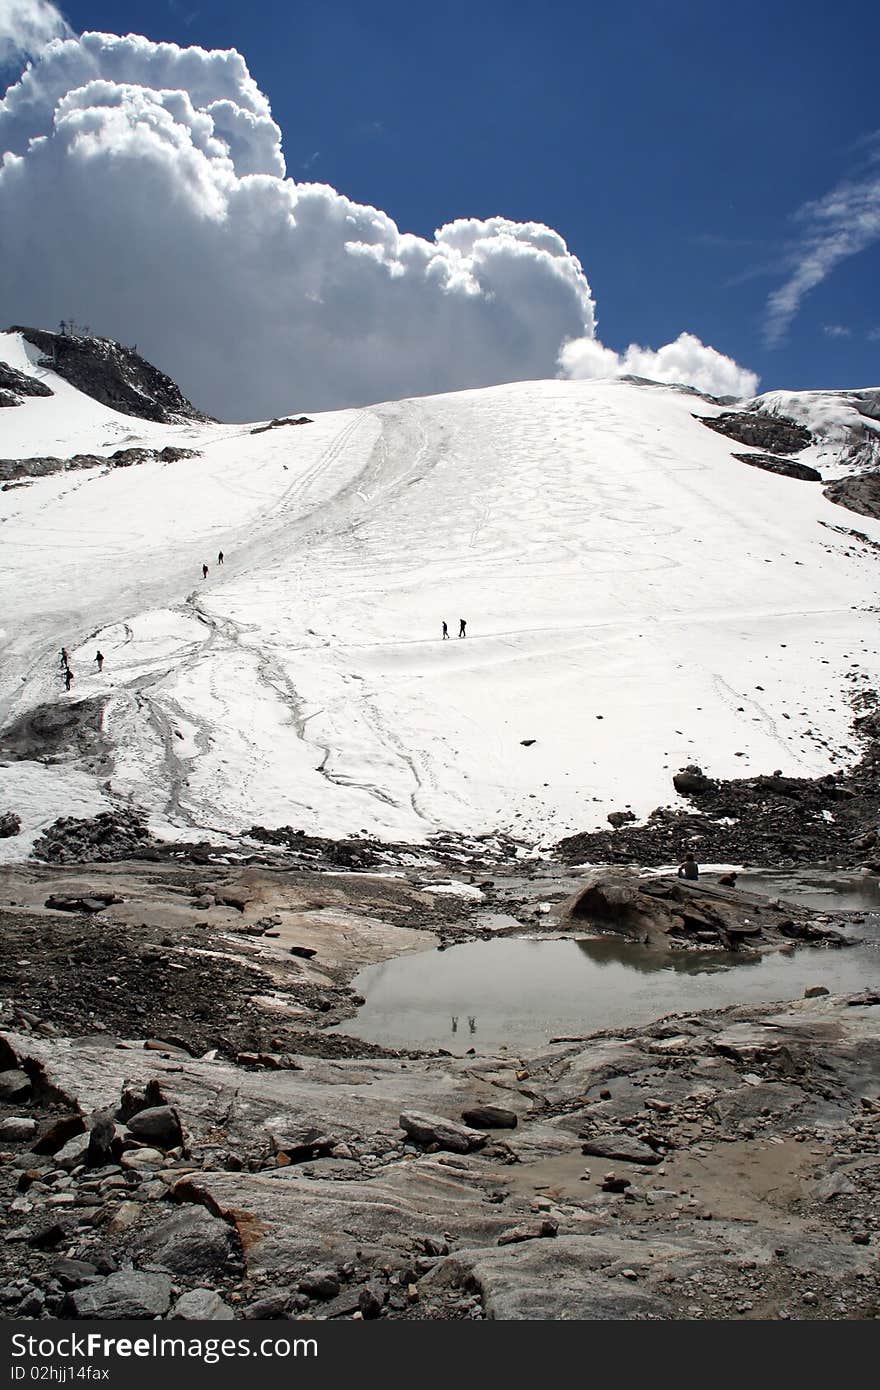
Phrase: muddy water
x=519 y=992
x=821 y=889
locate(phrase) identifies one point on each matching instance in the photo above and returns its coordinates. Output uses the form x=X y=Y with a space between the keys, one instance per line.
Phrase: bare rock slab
x=202 y=1305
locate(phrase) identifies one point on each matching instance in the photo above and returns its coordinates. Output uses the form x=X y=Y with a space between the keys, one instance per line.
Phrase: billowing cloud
x=144 y=191
x=686 y=362
x=843 y=223
x=27 y=25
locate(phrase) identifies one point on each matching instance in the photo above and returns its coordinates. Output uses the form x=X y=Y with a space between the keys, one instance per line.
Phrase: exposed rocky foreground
x=179 y=1136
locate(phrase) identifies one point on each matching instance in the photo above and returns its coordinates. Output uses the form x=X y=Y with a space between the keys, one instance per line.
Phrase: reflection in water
x=610 y=950
x=525 y=990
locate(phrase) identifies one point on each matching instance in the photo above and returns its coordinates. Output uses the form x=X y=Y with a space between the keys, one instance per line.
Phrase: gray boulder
x=189 y=1242
x=621 y=1146
x=489 y=1117
x=130 y=1293
x=446 y=1134
x=201 y=1305
x=159 y=1127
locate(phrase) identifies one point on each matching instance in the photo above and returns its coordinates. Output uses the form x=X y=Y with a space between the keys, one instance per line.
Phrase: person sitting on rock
x=690 y=867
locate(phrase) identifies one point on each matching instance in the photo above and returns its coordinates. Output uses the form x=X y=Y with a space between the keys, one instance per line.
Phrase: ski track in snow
x=627 y=587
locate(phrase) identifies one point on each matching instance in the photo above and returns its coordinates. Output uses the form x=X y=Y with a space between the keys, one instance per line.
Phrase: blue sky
x=671 y=144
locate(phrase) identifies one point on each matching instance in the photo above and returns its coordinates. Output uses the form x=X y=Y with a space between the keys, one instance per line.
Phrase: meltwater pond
x=520 y=991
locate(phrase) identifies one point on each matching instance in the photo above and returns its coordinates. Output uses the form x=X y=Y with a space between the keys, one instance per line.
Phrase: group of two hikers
x=65 y=666
x=205 y=567
x=462 y=624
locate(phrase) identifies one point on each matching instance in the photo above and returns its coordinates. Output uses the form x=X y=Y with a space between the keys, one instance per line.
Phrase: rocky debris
x=95 y=902
x=201 y=1305
x=434 y=1130
x=109 y=836
x=489 y=1117
x=287 y=420
x=112 y=374
x=618 y=818
x=126 y=1294
x=762 y=819
x=775 y=433
x=56 y=731
x=15 y=384
x=859 y=492
x=10 y=824
x=767 y=1120
x=785 y=468
x=43 y=466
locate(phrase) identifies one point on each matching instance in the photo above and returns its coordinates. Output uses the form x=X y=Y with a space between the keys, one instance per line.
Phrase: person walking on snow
x=462 y=624
x=99 y=658
x=220 y=558
x=64 y=658
x=68 y=678
x=204 y=571
x=445 y=632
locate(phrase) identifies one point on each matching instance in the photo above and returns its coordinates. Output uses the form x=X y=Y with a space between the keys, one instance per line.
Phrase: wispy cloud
x=26 y=26
x=836 y=330
x=873 y=335
x=843 y=223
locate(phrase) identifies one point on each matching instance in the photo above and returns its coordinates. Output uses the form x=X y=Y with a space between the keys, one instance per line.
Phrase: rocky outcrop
x=775 y=433
x=275 y=424
x=14 y=469
x=858 y=493
x=108 y=836
x=15 y=384
x=116 y=376
x=785 y=468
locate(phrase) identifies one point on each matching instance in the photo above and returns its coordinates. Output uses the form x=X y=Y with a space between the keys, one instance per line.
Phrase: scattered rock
x=489 y=1117
x=529 y=1230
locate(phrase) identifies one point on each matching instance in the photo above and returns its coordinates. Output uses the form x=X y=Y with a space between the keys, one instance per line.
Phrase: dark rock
x=201 y=1305
x=320 y=1283
x=371 y=1300
x=112 y=374
x=489 y=1117
x=10 y=824
x=129 y=1293
x=815 y=991
x=272 y=1306
x=14 y=1084
x=618 y=818
x=17 y=383
x=57 y=1132
x=785 y=468
x=858 y=493
x=692 y=781
x=73 y=1274
x=529 y=1230
x=777 y=433
x=159 y=1127
x=608 y=895
x=190 y=1242
x=305 y=951
x=621 y=1146
x=446 y=1134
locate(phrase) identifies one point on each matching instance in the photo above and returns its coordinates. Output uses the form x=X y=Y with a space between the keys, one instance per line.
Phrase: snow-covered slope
x=635 y=599
x=845 y=426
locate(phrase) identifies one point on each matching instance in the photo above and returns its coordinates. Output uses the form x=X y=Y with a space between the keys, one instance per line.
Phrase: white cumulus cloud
x=143 y=190
x=27 y=25
x=687 y=362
